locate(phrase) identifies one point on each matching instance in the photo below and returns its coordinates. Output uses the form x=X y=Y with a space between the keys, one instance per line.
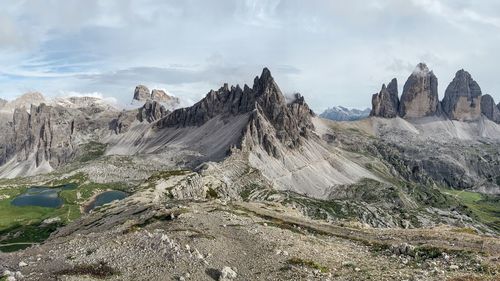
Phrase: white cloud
x=333 y=52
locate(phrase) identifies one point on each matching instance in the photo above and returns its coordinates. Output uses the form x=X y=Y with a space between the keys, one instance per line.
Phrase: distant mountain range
x=340 y=113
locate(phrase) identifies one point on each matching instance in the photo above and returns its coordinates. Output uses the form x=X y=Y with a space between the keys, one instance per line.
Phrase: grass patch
x=211 y=193
x=307 y=263
x=99 y=270
x=165 y=175
x=91 y=151
x=21 y=237
x=427 y=252
x=467 y=230
x=485 y=208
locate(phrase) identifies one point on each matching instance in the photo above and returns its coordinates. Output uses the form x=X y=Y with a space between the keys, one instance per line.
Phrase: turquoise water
x=105 y=198
x=42 y=196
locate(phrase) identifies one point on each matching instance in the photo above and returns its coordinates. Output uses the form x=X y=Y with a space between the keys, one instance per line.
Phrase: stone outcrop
x=386 y=102
x=161 y=96
x=151 y=111
x=142 y=93
x=462 y=99
x=25 y=100
x=420 y=94
x=271 y=117
x=52 y=134
x=489 y=109
x=44 y=133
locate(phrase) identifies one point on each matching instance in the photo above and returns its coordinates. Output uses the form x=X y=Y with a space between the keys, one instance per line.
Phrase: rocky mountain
x=420 y=94
x=386 y=102
x=25 y=100
x=246 y=172
x=142 y=94
x=340 y=113
x=151 y=111
x=462 y=99
x=489 y=109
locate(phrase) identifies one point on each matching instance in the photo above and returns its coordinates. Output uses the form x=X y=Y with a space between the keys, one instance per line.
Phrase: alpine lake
x=29 y=214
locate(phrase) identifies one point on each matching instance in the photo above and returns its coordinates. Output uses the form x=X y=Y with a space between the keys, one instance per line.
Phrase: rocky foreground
x=217 y=240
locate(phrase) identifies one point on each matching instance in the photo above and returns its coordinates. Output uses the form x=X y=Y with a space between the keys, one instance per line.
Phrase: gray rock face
x=161 y=96
x=142 y=93
x=122 y=123
x=2 y=103
x=151 y=111
x=43 y=132
x=462 y=98
x=267 y=105
x=489 y=109
x=386 y=103
x=420 y=94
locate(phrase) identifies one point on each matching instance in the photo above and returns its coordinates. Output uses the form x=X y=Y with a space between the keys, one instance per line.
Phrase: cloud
x=459 y=16
x=333 y=52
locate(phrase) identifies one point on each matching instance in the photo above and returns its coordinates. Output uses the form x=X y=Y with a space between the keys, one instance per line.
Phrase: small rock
x=22 y=264
x=18 y=275
x=357 y=269
x=11 y=278
x=453 y=267
x=7 y=273
x=227 y=274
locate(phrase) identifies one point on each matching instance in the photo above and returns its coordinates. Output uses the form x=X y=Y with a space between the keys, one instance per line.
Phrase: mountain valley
x=410 y=192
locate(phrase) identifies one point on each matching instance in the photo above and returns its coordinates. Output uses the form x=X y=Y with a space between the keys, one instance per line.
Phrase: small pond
x=105 y=198
x=42 y=196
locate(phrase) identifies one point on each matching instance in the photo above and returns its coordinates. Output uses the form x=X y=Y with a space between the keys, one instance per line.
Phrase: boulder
x=462 y=98
x=386 y=102
x=420 y=94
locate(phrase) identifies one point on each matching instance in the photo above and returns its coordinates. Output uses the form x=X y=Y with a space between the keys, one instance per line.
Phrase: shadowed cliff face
x=489 y=109
x=462 y=98
x=386 y=102
x=420 y=95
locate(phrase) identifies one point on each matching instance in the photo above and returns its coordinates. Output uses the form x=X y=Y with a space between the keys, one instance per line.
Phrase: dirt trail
x=443 y=238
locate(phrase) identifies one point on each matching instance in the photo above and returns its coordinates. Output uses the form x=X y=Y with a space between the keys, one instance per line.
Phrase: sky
x=332 y=52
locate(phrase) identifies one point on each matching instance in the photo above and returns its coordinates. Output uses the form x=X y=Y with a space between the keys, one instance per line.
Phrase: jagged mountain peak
x=232 y=101
x=461 y=99
x=270 y=116
x=386 y=102
x=421 y=70
x=420 y=94
x=143 y=94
